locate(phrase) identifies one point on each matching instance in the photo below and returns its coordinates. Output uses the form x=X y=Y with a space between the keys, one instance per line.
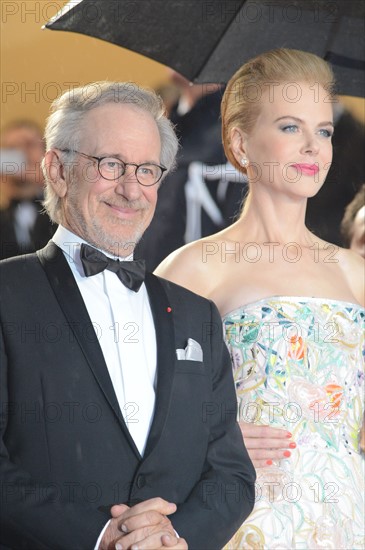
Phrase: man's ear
x=55 y=172
x=238 y=144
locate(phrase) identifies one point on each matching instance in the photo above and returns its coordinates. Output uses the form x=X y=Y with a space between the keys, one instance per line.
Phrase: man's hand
x=112 y=532
x=158 y=541
x=169 y=542
x=265 y=444
x=144 y=525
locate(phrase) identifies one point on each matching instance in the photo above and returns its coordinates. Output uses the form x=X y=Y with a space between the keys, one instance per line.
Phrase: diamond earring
x=244 y=162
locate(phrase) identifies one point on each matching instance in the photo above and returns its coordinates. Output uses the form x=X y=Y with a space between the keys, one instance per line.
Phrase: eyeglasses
x=111 y=168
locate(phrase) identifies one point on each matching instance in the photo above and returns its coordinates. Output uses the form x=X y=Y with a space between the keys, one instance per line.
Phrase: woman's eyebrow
x=324 y=123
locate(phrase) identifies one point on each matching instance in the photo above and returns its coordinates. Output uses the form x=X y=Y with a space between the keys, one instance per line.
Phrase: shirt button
x=141 y=481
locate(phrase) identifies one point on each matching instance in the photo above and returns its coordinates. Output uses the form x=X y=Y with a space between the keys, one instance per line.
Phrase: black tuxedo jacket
x=66 y=453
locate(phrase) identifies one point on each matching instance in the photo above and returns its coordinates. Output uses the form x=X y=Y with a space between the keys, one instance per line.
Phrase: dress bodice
x=300 y=360
x=298 y=364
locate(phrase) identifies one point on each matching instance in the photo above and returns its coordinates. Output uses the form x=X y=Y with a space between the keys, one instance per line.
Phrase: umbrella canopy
x=207 y=41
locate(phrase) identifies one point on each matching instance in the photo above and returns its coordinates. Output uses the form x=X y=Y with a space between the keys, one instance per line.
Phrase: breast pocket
x=184 y=366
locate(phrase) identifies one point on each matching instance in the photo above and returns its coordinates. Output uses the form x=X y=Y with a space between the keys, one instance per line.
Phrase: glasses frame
x=99 y=159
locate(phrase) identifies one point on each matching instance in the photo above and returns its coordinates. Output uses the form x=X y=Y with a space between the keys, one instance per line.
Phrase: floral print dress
x=298 y=364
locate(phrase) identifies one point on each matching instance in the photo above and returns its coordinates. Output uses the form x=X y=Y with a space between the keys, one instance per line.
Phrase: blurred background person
x=204 y=193
x=353 y=223
x=292 y=308
x=170 y=94
x=345 y=177
x=23 y=226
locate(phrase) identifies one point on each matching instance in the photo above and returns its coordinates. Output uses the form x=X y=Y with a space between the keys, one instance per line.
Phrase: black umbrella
x=207 y=41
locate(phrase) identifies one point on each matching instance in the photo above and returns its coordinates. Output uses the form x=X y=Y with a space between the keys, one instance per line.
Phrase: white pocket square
x=192 y=352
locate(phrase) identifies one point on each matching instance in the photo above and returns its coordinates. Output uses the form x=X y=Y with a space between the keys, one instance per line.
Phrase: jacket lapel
x=166 y=356
x=70 y=300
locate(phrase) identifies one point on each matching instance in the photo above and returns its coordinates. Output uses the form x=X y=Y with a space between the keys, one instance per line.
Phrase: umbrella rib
x=218 y=41
x=345 y=61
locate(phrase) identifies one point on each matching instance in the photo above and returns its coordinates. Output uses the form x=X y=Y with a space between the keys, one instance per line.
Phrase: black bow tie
x=131 y=274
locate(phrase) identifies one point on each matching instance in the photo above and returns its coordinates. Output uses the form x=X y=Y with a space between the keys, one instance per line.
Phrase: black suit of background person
x=70 y=465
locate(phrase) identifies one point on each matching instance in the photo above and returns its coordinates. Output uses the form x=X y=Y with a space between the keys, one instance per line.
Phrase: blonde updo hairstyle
x=241 y=100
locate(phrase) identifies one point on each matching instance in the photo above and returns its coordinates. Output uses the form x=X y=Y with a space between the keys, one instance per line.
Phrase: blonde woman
x=292 y=309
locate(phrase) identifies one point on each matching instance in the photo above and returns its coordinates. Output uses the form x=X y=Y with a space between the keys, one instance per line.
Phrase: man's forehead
x=111 y=118
x=108 y=127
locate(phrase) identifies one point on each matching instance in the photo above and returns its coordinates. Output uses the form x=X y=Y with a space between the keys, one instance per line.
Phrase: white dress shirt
x=123 y=323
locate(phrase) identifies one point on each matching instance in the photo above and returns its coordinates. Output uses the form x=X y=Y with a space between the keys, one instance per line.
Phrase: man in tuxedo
x=118 y=410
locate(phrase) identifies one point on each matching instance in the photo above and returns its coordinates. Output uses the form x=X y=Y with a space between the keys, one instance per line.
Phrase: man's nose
x=128 y=185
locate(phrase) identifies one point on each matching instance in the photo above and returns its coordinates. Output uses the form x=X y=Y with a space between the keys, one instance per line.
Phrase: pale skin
x=106 y=213
x=111 y=215
x=144 y=526
x=269 y=251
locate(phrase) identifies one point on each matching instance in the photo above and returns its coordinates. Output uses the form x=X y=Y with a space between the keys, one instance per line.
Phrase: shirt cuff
x=101 y=536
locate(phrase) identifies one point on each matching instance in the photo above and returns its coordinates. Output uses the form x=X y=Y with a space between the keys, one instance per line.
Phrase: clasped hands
x=144 y=526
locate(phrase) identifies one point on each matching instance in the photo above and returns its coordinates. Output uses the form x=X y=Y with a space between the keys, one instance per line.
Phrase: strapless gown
x=298 y=364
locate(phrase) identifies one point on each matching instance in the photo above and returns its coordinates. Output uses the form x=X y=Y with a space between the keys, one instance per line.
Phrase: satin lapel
x=166 y=356
x=70 y=300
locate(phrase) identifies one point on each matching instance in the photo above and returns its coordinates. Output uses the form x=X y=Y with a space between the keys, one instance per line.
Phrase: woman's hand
x=266 y=444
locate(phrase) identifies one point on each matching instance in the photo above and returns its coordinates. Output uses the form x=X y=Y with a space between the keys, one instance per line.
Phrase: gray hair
x=65 y=124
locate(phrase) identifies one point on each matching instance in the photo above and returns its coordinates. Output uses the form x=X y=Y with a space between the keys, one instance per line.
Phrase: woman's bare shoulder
x=353 y=268
x=188 y=266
